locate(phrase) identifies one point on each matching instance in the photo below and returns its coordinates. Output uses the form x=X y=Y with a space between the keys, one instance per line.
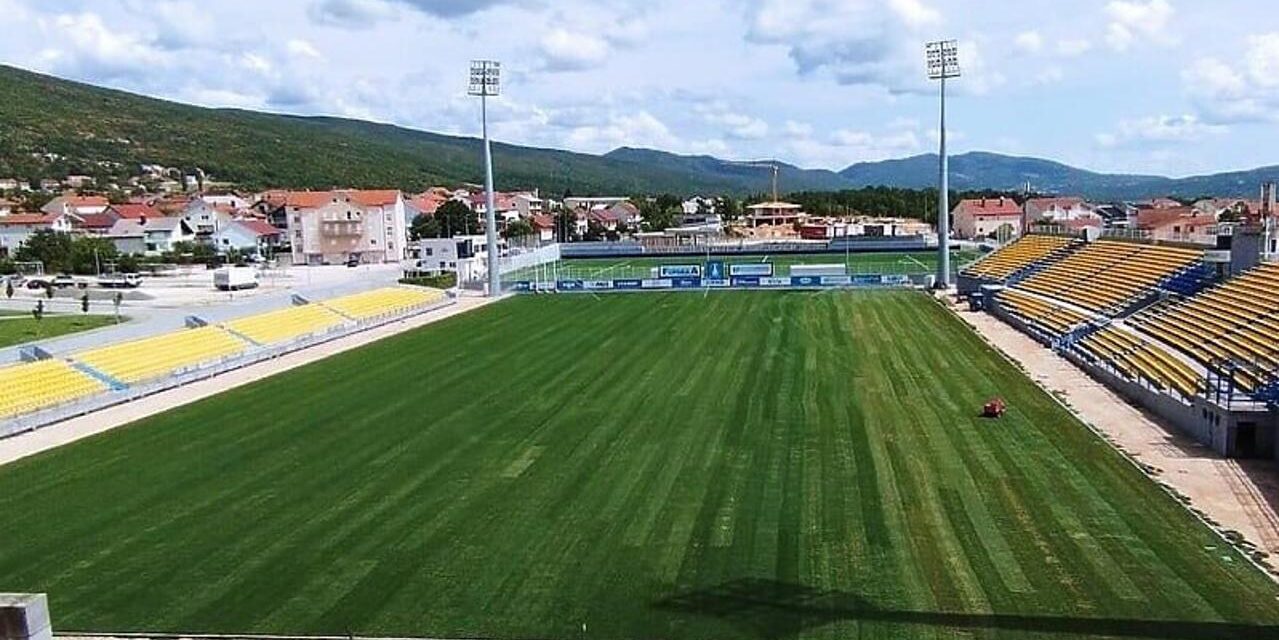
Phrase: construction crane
x=762 y=164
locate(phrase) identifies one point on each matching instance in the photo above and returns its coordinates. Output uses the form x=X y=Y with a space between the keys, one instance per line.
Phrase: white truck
x=235 y=278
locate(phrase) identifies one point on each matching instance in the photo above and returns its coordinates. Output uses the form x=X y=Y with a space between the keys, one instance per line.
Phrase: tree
x=456 y=219
x=728 y=208
x=518 y=229
x=594 y=231
x=127 y=264
x=566 y=225
x=52 y=248
x=424 y=226
x=659 y=214
x=88 y=254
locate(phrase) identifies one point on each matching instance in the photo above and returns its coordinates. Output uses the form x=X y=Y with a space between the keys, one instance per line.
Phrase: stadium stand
x=1137 y=358
x=1054 y=319
x=32 y=386
x=1235 y=321
x=149 y=358
x=1008 y=260
x=382 y=302
x=286 y=324
x=1104 y=276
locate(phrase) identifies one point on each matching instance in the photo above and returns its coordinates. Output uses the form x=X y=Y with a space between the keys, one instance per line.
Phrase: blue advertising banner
x=744 y=281
x=866 y=280
x=774 y=282
x=715 y=270
x=896 y=279
x=836 y=281
x=686 y=283
x=680 y=271
x=522 y=285
x=661 y=283
x=628 y=284
x=806 y=281
x=753 y=269
x=570 y=285
x=715 y=283
x=598 y=284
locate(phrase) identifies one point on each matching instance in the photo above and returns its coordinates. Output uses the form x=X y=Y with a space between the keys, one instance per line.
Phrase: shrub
x=446 y=280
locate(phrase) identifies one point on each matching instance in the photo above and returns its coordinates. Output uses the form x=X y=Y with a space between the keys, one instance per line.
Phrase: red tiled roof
x=134 y=211
x=87 y=201
x=364 y=198
x=27 y=219
x=96 y=221
x=1153 y=218
x=542 y=221
x=989 y=207
x=259 y=227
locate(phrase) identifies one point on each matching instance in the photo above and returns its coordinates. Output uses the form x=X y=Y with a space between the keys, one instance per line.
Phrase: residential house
x=543 y=226
x=986 y=217
x=7 y=207
x=134 y=211
x=251 y=236
x=528 y=204
x=49 y=184
x=76 y=205
x=149 y=236
x=15 y=228
x=226 y=200
x=1057 y=210
x=96 y=224
x=1178 y=224
x=78 y=182
x=206 y=218
x=591 y=202
x=13 y=184
x=330 y=227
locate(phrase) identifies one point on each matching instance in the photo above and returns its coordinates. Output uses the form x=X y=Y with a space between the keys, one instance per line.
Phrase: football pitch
x=888 y=263
x=676 y=465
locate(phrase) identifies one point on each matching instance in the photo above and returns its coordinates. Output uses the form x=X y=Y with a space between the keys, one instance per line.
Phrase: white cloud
x=796 y=129
x=1029 y=41
x=1159 y=130
x=735 y=125
x=83 y=46
x=351 y=14
x=566 y=51
x=1133 y=19
x=857 y=42
x=302 y=48
x=845 y=146
x=1247 y=91
x=1071 y=47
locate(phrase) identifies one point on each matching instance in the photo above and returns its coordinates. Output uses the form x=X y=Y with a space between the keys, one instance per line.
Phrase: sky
x=1171 y=87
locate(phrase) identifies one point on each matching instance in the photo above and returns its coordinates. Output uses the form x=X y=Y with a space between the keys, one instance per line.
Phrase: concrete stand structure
x=24 y=616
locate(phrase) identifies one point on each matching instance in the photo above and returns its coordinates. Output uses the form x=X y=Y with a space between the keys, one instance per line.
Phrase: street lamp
x=485 y=82
x=943 y=63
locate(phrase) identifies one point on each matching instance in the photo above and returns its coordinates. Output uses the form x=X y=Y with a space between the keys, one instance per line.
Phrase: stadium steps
x=101 y=376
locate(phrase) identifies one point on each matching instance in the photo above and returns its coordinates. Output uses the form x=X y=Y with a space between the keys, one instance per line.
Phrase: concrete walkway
x=1241 y=495
x=34 y=442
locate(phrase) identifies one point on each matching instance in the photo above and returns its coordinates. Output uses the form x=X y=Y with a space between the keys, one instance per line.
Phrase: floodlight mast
x=486 y=81
x=943 y=62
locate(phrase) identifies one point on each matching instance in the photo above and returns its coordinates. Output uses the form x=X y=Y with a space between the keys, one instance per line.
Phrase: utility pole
x=943 y=62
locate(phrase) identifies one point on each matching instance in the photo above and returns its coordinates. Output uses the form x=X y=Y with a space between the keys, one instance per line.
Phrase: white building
x=16 y=228
x=251 y=236
x=150 y=236
x=76 y=205
x=1058 y=210
x=331 y=227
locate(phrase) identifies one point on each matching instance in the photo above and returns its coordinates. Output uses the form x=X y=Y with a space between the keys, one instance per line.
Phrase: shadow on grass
x=778 y=610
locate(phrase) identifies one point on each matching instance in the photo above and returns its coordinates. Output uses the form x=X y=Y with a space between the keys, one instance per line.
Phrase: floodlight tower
x=943 y=63
x=485 y=82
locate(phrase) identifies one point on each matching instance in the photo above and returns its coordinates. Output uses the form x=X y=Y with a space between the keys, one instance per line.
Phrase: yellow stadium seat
x=32 y=386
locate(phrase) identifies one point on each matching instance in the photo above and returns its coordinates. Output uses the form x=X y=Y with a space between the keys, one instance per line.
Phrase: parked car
x=120 y=281
x=63 y=281
x=353 y=261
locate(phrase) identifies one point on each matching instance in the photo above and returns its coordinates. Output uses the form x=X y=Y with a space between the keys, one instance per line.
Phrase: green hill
x=50 y=128
x=88 y=128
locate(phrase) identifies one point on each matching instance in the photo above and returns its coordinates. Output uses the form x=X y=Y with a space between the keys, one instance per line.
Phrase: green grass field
x=734 y=465
x=16 y=330
x=920 y=262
